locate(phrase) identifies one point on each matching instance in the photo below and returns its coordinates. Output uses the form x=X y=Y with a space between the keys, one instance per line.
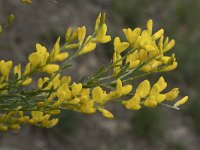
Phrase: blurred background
x=153 y=129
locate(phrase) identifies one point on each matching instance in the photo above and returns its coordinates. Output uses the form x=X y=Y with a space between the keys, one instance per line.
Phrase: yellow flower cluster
x=75 y=97
x=87 y=44
x=146 y=50
x=152 y=96
x=143 y=52
x=13 y=119
x=40 y=61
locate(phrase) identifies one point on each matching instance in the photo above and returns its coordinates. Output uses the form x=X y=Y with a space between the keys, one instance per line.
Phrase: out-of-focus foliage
x=148 y=123
x=194 y=113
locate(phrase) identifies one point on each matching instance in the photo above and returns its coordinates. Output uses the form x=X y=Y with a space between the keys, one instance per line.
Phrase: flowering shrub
x=143 y=53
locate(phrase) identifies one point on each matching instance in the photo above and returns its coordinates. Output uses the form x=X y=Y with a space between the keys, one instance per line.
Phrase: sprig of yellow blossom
x=142 y=52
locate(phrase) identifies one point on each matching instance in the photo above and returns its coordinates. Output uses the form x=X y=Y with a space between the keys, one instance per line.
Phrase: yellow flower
x=155 y=90
x=120 y=46
x=42 y=53
x=71 y=46
x=119 y=87
x=133 y=59
x=68 y=34
x=37 y=117
x=5 y=68
x=169 y=68
x=51 y=68
x=61 y=56
x=153 y=94
x=133 y=103
x=166 y=59
x=143 y=89
x=74 y=101
x=97 y=94
x=152 y=66
x=27 y=82
x=40 y=57
x=65 y=79
x=51 y=123
x=53 y=111
x=41 y=83
x=150 y=26
x=24 y=119
x=117 y=59
x=63 y=92
x=181 y=101
x=160 y=45
x=149 y=48
x=97 y=23
x=158 y=34
x=169 y=45
x=55 y=54
x=76 y=89
x=150 y=102
x=87 y=105
x=161 y=84
x=40 y=104
x=50 y=98
x=27 y=69
x=126 y=89
x=56 y=81
x=85 y=93
x=145 y=39
x=106 y=113
x=171 y=95
x=142 y=55
x=57 y=103
x=160 y=98
x=90 y=46
x=17 y=70
x=120 y=90
x=81 y=34
x=101 y=36
x=132 y=35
